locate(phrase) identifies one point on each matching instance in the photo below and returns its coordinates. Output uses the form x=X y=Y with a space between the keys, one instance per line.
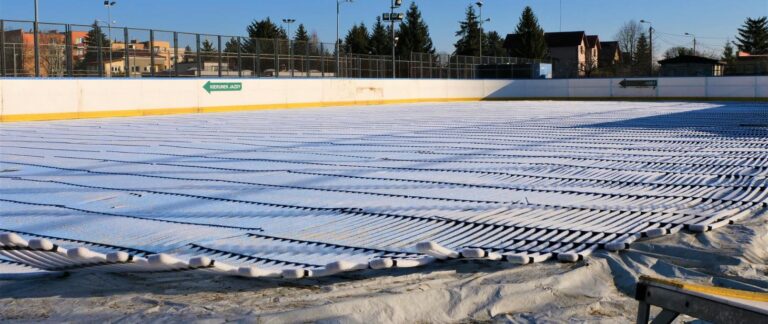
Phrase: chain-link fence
x=66 y=50
x=71 y=50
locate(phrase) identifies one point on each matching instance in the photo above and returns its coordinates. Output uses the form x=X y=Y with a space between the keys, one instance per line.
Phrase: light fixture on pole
x=694 y=42
x=480 y=7
x=393 y=17
x=338 y=43
x=650 y=37
x=108 y=4
x=289 y=21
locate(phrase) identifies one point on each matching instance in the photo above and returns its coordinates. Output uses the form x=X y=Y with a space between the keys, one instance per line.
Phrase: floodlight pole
x=392 y=17
x=394 y=41
x=290 y=21
x=480 y=6
x=109 y=5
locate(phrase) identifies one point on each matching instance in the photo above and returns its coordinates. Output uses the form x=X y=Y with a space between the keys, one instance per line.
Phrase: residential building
x=164 y=54
x=748 y=64
x=593 y=51
x=139 y=63
x=609 y=55
x=690 y=65
x=568 y=51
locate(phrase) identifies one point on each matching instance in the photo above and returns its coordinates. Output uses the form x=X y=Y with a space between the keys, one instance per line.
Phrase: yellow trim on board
x=303 y=105
x=711 y=290
x=171 y=111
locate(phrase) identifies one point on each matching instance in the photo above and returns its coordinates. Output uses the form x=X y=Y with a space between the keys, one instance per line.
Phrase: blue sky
x=711 y=20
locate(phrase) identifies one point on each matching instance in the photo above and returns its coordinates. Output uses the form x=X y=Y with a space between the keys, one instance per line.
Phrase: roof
x=564 y=39
x=560 y=39
x=690 y=59
x=592 y=41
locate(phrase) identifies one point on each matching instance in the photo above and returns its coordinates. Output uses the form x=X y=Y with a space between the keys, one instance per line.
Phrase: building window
x=581 y=48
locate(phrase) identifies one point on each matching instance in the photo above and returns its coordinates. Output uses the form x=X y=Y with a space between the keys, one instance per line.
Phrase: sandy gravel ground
x=597 y=289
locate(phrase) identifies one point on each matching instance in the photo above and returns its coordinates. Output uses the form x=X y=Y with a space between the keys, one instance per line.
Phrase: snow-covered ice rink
x=316 y=192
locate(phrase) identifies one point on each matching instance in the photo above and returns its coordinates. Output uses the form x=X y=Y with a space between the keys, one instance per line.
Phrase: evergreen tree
x=188 y=54
x=230 y=52
x=357 y=40
x=494 y=45
x=261 y=35
x=231 y=45
x=414 y=34
x=300 y=40
x=301 y=34
x=469 y=34
x=753 y=36
x=208 y=53
x=728 y=53
x=381 y=40
x=642 y=55
x=532 y=43
x=97 y=45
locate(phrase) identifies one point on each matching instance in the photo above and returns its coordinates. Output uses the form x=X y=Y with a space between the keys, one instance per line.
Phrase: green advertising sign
x=222 y=86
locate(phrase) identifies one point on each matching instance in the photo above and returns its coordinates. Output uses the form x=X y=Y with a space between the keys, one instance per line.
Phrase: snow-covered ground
x=342 y=191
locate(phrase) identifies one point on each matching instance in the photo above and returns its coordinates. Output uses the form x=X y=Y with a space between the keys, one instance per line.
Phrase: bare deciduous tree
x=627 y=37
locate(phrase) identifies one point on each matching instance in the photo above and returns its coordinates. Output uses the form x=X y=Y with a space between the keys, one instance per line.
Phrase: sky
x=713 y=21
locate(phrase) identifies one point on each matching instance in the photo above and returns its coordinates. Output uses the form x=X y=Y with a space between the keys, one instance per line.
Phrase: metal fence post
x=239 y=58
x=277 y=57
x=306 y=59
x=322 y=60
x=36 y=40
x=68 y=48
x=127 y=54
x=257 y=61
x=197 y=55
x=2 y=48
x=218 y=40
x=99 y=58
x=152 y=53
x=176 y=54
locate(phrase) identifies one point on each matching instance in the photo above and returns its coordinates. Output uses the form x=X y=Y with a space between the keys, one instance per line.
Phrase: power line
x=697 y=37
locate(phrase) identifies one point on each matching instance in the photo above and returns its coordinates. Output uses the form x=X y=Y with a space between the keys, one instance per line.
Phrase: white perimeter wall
x=50 y=96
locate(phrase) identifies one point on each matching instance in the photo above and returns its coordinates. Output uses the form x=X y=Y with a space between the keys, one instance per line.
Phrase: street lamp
x=694 y=42
x=290 y=21
x=338 y=11
x=650 y=37
x=108 y=4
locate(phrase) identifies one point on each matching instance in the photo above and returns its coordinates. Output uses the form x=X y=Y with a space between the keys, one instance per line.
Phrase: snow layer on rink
x=316 y=192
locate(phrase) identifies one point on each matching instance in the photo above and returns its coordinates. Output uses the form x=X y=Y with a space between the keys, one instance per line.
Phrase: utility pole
x=694 y=42
x=650 y=37
x=393 y=17
x=37 y=43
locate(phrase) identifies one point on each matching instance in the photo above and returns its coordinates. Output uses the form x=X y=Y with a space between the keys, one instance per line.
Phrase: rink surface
x=317 y=192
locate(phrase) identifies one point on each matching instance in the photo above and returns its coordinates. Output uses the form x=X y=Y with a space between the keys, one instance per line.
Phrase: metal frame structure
x=706 y=304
